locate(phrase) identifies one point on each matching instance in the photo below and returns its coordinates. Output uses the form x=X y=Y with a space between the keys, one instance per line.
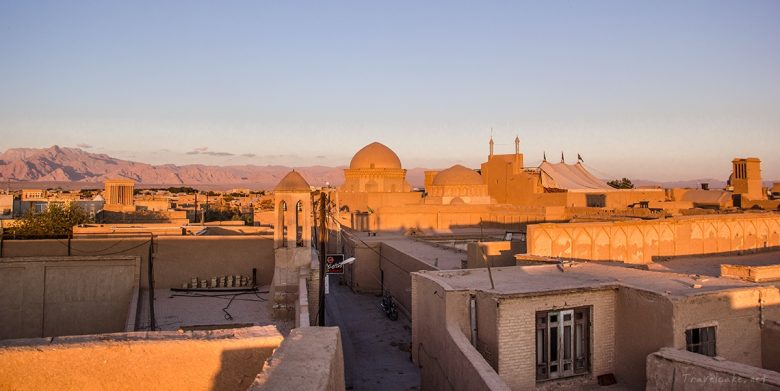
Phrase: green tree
x=624 y=183
x=57 y=220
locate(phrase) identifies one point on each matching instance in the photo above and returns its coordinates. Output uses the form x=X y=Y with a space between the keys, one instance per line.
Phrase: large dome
x=293 y=182
x=458 y=175
x=375 y=155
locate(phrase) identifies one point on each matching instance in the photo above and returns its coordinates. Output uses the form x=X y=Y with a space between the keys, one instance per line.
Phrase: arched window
x=299 y=224
x=282 y=224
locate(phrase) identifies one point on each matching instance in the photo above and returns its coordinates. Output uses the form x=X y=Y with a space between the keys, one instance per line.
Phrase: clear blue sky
x=654 y=90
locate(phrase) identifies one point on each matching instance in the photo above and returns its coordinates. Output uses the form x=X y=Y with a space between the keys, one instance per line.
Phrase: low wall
x=362 y=275
x=311 y=358
x=53 y=296
x=193 y=360
x=441 y=349
x=770 y=346
x=396 y=267
x=644 y=241
x=672 y=369
x=176 y=258
x=751 y=273
x=497 y=253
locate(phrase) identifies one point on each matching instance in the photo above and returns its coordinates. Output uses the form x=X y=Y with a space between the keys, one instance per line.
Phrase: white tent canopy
x=570 y=177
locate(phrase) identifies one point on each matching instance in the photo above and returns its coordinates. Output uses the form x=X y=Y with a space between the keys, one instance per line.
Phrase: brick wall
x=517 y=335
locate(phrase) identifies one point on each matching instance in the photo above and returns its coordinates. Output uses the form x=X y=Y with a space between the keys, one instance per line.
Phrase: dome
x=457 y=175
x=375 y=155
x=293 y=181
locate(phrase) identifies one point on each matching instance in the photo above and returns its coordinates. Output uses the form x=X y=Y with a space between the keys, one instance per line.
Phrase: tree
x=624 y=183
x=57 y=220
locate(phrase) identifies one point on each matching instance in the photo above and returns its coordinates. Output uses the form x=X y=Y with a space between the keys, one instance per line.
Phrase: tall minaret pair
x=517 y=145
x=517 y=162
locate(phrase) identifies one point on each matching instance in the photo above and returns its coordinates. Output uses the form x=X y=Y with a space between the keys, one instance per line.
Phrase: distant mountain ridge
x=63 y=164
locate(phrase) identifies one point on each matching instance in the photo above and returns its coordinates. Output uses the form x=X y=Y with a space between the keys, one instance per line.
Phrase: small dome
x=375 y=155
x=293 y=181
x=457 y=175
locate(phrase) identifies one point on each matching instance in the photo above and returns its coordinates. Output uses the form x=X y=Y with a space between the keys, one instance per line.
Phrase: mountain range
x=80 y=168
x=68 y=165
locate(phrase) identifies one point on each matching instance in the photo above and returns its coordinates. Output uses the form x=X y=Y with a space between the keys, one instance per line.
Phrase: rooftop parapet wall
x=643 y=241
x=52 y=296
x=672 y=369
x=751 y=273
x=440 y=346
x=310 y=358
x=176 y=258
x=195 y=360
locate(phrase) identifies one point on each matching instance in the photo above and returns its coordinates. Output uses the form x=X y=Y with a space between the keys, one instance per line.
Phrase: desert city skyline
x=660 y=92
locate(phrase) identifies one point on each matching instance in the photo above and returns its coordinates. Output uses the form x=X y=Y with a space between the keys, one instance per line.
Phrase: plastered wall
x=53 y=296
x=176 y=258
x=673 y=369
x=642 y=241
x=440 y=341
x=643 y=325
x=396 y=268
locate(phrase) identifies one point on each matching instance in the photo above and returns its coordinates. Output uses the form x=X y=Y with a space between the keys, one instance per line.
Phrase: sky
x=659 y=90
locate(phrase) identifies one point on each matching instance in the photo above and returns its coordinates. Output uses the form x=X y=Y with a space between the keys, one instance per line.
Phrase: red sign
x=333 y=263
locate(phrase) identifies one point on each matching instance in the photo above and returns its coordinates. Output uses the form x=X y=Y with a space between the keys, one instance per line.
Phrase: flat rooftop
x=542 y=279
x=174 y=310
x=709 y=265
x=432 y=249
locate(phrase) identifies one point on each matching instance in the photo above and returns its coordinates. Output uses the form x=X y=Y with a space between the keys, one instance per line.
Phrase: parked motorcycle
x=388 y=306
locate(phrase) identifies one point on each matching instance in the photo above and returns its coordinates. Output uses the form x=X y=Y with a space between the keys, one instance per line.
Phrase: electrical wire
x=83 y=252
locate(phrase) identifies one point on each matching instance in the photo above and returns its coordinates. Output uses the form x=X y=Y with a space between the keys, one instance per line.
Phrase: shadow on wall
x=239 y=367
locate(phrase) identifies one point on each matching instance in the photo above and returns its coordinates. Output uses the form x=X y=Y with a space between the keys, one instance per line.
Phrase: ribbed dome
x=375 y=155
x=293 y=181
x=458 y=175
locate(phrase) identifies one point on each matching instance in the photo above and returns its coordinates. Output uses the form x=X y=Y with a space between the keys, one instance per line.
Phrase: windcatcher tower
x=293 y=253
x=746 y=178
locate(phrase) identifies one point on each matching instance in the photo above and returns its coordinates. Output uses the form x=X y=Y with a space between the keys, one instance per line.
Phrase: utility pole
x=322 y=233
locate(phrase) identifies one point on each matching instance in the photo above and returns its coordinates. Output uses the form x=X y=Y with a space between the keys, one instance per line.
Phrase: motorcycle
x=388 y=306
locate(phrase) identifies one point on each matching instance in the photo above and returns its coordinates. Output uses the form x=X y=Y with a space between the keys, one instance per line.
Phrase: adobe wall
x=176 y=258
x=751 y=273
x=193 y=360
x=770 y=346
x=497 y=253
x=672 y=369
x=641 y=241
x=643 y=325
x=736 y=315
x=440 y=341
x=396 y=267
x=487 y=327
x=362 y=275
x=445 y=217
x=517 y=332
x=53 y=296
x=310 y=358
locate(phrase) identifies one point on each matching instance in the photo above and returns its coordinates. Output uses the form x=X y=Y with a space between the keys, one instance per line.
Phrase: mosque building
x=502 y=192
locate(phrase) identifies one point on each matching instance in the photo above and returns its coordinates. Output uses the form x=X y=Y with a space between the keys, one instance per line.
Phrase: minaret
x=491 y=147
x=562 y=161
x=518 y=164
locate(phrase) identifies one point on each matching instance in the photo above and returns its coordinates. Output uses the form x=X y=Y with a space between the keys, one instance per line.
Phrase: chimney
x=705 y=186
